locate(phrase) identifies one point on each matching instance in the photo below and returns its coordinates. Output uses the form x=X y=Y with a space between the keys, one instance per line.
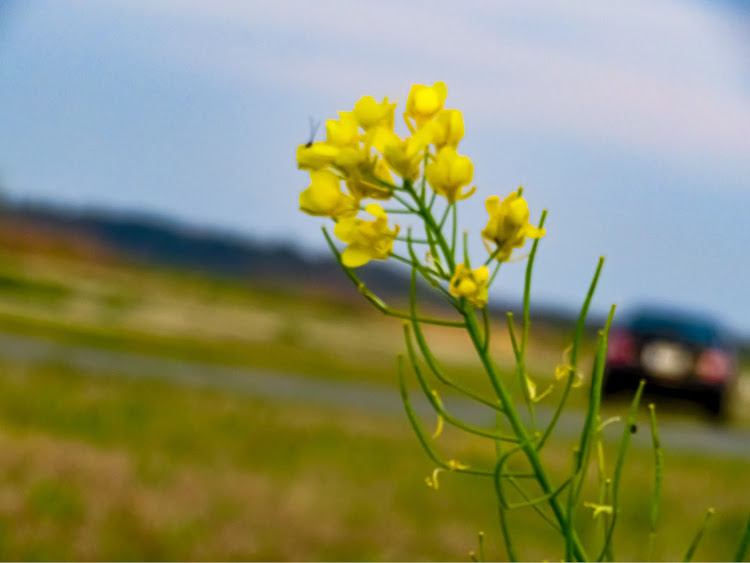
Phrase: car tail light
x=714 y=366
x=621 y=349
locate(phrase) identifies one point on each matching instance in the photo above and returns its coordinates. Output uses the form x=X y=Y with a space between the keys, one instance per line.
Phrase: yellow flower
x=343 y=132
x=509 y=224
x=447 y=128
x=405 y=156
x=365 y=183
x=471 y=284
x=349 y=160
x=370 y=113
x=448 y=173
x=316 y=155
x=424 y=102
x=324 y=197
x=363 y=173
x=367 y=240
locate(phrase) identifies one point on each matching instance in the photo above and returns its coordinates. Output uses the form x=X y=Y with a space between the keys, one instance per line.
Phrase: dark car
x=680 y=354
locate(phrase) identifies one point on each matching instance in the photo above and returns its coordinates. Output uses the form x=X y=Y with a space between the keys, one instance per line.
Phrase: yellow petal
x=354 y=256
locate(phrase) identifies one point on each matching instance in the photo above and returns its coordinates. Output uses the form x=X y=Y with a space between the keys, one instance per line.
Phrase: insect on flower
x=314 y=126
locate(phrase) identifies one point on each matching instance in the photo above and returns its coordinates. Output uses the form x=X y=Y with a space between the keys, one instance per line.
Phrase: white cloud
x=660 y=76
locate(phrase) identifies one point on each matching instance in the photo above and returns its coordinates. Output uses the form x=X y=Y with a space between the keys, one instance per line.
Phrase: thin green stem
x=414 y=240
x=494 y=274
x=427 y=275
x=431 y=225
x=592 y=414
x=698 y=535
x=512 y=334
x=502 y=506
x=486 y=325
x=620 y=464
x=590 y=425
x=436 y=404
x=527 y=289
x=658 y=477
x=521 y=356
x=536 y=508
x=543 y=498
x=376 y=301
x=393 y=211
x=435 y=254
x=492 y=256
x=519 y=430
x=519 y=371
x=573 y=368
x=421 y=436
x=441 y=223
x=408 y=208
x=739 y=555
x=437 y=371
x=433 y=197
x=467 y=261
x=480 y=543
x=454 y=227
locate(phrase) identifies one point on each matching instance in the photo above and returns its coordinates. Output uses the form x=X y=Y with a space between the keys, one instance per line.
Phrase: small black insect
x=314 y=125
x=633 y=428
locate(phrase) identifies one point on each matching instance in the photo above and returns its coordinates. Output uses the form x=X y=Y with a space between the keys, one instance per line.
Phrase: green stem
x=433 y=400
x=432 y=226
x=502 y=505
x=430 y=358
x=620 y=464
x=423 y=440
x=467 y=261
x=486 y=324
x=378 y=303
x=393 y=211
x=433 y=197
x=441 y=223
x=698 y=536
x=414 y=240
x=743 y=545
x=454 y=228
x=527 y=290
x=494 y=274
x=658 y=477
x=580 y=325
x=519 y=430
x=583 y=453
x=409 y=208
x=592 y=413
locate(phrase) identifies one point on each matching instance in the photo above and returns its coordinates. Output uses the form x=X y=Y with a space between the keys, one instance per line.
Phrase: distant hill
x=102 y=235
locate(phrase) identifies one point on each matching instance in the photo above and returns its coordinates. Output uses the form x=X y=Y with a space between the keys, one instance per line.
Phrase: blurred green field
x=200 y=318
x=96 y=466
x=111 y=469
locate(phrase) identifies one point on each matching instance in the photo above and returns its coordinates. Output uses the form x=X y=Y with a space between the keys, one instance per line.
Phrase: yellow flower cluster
x=509 y=225
x=360 y=155
x=362 y=151
x=471 y=284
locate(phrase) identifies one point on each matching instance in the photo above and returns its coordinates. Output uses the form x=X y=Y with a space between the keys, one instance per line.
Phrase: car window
x=681 y=329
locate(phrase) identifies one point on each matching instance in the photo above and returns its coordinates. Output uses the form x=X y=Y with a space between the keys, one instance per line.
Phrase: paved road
x=691 y=435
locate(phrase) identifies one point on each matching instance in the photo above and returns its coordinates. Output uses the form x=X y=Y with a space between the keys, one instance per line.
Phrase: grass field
x=95 y=466
x=106 y=468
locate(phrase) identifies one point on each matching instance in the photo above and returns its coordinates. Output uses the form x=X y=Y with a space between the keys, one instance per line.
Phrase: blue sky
x=628 y=120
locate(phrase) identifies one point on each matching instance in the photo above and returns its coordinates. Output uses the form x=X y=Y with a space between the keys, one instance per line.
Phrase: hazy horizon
x=627 y=121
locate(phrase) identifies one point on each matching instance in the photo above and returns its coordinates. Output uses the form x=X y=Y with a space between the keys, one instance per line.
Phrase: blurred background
x=185 y=372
